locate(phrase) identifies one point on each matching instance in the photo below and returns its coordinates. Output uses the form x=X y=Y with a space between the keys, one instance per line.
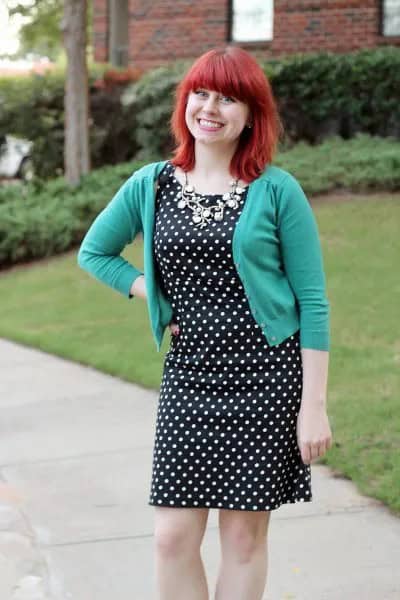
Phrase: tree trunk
x=76 y=103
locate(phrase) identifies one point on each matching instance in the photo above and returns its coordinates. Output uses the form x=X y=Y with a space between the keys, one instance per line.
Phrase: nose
x=211 y=103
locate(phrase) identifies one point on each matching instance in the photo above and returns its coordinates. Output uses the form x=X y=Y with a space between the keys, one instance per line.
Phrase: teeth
x=209 y=124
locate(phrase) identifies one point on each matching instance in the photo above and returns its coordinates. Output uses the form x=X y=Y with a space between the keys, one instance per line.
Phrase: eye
x=200 y=92
x=227 y=99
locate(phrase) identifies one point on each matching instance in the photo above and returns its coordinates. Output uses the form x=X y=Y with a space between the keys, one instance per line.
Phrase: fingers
x=174 y=327
x=310 y=451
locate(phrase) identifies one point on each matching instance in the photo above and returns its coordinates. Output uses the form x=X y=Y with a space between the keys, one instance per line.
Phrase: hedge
x=46 y=218
x=33 y=108
x=319 y=95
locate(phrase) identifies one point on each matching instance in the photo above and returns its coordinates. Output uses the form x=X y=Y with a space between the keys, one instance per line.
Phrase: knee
x=172 y=543
x=244 y=543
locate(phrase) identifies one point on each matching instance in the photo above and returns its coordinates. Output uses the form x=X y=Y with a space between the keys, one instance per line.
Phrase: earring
x=249 y=126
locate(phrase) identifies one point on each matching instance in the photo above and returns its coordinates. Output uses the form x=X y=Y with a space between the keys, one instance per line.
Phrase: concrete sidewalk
x=75 y=466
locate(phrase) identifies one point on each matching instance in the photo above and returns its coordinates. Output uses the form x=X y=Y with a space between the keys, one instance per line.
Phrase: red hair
x=233 y=72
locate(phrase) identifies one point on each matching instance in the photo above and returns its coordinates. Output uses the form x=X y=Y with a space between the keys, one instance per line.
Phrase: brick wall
x=338 y=26
x=163 y=30
x=100 y=30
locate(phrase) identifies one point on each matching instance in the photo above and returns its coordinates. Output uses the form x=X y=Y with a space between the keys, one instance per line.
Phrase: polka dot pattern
x=225 y=434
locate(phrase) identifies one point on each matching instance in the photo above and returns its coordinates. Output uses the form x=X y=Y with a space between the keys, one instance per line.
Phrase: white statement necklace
x=202 y=215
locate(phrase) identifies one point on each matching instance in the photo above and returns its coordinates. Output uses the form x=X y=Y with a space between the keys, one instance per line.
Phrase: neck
x=211 y=161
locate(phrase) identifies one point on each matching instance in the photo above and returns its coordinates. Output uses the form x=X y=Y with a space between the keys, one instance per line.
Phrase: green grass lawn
x=55 y=306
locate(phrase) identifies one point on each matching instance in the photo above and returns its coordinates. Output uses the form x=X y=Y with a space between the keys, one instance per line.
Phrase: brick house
x=147 y=33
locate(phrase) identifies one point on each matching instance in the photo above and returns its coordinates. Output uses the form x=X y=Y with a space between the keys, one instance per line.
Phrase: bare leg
x=179 y=567
x=243 y=570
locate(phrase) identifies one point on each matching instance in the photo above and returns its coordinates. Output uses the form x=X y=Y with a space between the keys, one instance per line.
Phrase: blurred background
x=335 y=71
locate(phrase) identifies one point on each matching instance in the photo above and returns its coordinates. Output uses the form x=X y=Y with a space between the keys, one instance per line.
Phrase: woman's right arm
x=138 y=288
x=116 y=226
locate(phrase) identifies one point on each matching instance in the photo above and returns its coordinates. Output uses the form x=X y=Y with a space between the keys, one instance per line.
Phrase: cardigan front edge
x=134 y=204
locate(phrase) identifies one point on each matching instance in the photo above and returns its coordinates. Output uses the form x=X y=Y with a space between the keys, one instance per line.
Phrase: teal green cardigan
x=275 y=247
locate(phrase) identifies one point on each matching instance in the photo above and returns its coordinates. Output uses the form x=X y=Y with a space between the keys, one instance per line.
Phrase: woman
x=233 y=265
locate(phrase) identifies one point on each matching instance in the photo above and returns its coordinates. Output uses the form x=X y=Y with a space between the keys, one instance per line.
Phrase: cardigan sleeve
x=116 y=226
x=303 y=263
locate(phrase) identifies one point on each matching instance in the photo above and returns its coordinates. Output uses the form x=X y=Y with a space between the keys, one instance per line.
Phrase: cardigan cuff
x=315 y=340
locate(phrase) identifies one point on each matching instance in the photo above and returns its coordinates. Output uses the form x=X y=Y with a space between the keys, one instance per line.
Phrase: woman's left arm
x=303 y=264
x=314 y=436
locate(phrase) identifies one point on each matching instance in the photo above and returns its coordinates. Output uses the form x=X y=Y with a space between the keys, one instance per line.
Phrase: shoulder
x=140 y=182
x=138 y=186
x=149 y=171
x=286 y=193
x=279 y=178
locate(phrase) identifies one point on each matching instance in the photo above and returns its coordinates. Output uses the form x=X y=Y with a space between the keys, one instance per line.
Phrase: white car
x=15 y=158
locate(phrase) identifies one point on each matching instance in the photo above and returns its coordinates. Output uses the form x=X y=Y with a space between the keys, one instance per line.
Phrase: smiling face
x=214 y=118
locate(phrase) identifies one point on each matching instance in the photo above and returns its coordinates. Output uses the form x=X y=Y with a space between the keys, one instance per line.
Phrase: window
x=252 y=20
x=391 y=17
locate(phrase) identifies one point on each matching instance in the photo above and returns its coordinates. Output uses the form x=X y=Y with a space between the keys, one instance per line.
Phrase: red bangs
x=217 y=73
x=232 y=72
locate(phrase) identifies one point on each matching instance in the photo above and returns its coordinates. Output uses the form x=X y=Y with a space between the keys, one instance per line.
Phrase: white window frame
x=252 y=20
x=391 y=18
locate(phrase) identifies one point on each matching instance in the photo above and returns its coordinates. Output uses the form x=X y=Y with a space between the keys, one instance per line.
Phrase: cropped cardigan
x=275 y=247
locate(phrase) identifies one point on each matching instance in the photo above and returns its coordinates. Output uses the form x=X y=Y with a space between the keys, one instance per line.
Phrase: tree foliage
x=40 y=34
x=41 y=31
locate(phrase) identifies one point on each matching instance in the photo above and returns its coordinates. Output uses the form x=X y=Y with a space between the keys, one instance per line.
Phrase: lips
x=210 y=125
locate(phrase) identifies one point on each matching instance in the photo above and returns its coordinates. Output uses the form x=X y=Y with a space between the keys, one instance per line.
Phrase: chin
x=205 y=139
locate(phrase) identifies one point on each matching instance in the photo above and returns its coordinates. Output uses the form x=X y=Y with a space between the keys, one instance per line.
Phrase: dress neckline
x=172 y=175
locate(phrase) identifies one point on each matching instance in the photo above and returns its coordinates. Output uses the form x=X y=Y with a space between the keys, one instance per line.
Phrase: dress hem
x=213 y=505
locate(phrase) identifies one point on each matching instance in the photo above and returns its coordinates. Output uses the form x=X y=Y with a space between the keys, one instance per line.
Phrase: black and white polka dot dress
x=225 y=434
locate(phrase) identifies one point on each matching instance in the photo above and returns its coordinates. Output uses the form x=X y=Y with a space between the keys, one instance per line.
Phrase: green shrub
x=362 y=164
x=151 y=100
x=319 y=95
x=339 y=94
x=33 y=108
x=44 y=218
